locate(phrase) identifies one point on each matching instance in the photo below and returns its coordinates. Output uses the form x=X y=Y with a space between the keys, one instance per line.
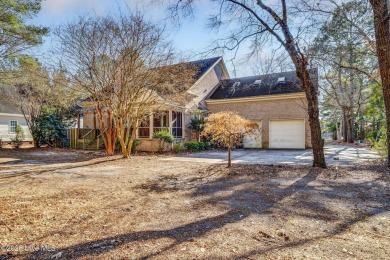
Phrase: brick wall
x=266 y=110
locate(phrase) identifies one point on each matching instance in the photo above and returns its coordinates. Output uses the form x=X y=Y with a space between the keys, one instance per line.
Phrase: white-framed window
x=177 y=124
x=12 y=126
x=160 y=121
x=144 y=128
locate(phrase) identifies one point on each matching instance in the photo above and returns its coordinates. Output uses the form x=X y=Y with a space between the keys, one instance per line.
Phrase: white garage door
x=289 y=134
x=253 y=140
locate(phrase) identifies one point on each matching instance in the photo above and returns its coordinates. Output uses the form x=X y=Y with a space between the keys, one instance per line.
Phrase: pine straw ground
x=77 y=205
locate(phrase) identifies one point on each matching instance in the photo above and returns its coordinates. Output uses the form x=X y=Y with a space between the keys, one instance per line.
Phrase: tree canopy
x=226 y=126
x=16 y=35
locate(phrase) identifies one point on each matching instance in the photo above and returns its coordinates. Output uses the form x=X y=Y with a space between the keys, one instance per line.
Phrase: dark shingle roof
x=268 y=85
x=6 y=105
x=203 y=66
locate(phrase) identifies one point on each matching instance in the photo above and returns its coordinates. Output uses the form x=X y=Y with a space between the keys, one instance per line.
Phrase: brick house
x=275 y=101
x=173 y=115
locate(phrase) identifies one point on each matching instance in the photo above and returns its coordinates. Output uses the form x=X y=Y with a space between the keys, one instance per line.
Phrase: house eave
x=254 y=99
x=11 y=115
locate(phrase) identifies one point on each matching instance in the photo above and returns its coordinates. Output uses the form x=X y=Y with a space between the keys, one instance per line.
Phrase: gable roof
x=186 y=95
x=6 y=106
x=262 y=85
x=203 y=66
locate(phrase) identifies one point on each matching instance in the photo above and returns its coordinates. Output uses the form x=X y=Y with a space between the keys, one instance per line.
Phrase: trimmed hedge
x=197 y=146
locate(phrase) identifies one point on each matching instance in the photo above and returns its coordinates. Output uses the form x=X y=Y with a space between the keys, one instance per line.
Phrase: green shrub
x=196 y=125
x=136 y=142
x=165 y=137
x=197 y=146
x=378 y=141
x=18 y=140
x=51 y=127
x=191 y=146
x=177 y=148
x=381 y=147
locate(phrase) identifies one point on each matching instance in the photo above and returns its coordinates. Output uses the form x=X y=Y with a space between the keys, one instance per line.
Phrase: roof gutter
x=254 y=99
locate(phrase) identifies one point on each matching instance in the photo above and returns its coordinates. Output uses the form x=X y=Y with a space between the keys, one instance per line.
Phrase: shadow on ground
x=36 y=156
x=255 y=191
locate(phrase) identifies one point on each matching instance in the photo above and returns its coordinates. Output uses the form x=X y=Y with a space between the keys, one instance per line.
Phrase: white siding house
x=10 y=117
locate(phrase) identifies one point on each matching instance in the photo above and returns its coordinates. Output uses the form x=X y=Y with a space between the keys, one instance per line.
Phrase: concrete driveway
x=335 y=155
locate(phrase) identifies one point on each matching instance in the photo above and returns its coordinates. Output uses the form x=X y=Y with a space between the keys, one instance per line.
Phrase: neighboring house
x=275 y=101
x=10 y=117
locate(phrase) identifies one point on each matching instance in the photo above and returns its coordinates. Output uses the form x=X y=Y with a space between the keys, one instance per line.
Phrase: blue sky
x=191 y=39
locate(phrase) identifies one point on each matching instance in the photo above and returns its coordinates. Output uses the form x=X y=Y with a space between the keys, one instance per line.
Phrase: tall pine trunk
x=344 y=128
x=382 y=35
x=351 y=116
x=351 y=127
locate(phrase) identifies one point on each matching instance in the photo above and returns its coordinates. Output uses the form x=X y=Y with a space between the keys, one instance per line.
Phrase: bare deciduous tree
x=226 y=126
x=124 y=64
x=260 y=23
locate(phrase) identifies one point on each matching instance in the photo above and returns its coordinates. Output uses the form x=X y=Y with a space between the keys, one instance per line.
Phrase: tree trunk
x=382 y=35
x=334 y=135
x=350 y=128
x=110 y=143
x=336 y=131
x=351 y=117
x=36 y=142
x=344 y=126
x=229 y=152
x=315 y=127
x=108 y=133
x=301 y=64
x=126 y=152
x=130 y=139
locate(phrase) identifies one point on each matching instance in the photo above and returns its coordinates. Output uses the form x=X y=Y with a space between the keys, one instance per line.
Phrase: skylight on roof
x=257 y=82
x=281 y=79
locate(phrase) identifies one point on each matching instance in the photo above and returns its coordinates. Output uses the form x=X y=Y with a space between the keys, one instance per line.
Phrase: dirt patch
x=145 y=207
